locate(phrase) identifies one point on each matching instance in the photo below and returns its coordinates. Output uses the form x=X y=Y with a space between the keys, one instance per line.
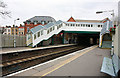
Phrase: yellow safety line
x=101 y=41
x=69 y=60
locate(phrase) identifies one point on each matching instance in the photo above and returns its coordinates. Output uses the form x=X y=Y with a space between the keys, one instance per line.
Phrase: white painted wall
x=117 y=41
x=92 y=29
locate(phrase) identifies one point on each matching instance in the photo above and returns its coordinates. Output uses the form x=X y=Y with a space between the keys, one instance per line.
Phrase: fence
x=8 y=41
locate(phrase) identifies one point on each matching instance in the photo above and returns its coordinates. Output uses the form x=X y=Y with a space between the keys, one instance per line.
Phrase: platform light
x=14 y=31
x=99 y=12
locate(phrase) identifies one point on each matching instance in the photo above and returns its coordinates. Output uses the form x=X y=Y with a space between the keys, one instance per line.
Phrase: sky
x=58 y=9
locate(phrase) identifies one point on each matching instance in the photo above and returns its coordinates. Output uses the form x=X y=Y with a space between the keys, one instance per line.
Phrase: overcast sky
x=58 y=9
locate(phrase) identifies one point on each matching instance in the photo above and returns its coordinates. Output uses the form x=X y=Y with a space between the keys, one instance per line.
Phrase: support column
x=53 y=40
x=100 y=40
x=63 y=38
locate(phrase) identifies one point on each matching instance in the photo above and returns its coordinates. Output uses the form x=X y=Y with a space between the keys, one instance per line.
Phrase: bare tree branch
x=3 y=5
x=4 y=13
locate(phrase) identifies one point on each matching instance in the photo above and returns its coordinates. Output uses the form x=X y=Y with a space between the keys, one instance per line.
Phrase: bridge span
x=63 y=33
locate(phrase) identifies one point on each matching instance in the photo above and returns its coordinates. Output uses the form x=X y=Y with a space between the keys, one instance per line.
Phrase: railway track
x=10 y=66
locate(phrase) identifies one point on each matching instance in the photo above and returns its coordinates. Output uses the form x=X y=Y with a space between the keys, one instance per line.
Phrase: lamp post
x=14 y=32
x=98 y=12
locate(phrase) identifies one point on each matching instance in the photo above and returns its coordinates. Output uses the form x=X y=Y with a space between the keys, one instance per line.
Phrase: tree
x=3 y=12
x=2 y=30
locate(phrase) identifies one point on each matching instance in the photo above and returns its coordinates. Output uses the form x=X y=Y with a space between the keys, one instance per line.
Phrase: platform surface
x=20 y=49
x=86 y=62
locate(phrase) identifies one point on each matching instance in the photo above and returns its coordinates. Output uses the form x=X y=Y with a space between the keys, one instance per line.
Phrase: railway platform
x=21 y=49
x=85 y=62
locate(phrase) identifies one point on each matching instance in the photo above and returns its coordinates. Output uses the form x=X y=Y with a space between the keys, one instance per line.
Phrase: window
x=71 y=24
x=58 y=26
x=48 y=21
x=8 y=30
x=53 y=28
x=42 y=22
x=88 y=25
x=101 y=25
x=48 y=32
x=19 y=32
x=34 y=36
x=16 y=33
x=28 y=22
x=45 y=22
x=83 y=25
x=78 y=24
x=91 y=25
x=16 y=30
x=42 y=32
x=98 y=25
x=22 y=32
x=50 y=29
x=35 y=23
x=61 y=25
x=38 y=34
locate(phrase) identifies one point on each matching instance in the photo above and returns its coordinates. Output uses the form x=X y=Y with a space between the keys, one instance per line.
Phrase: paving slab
x=89 y=64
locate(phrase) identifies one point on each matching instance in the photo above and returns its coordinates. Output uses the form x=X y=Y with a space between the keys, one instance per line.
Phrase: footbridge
x=40 y=33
